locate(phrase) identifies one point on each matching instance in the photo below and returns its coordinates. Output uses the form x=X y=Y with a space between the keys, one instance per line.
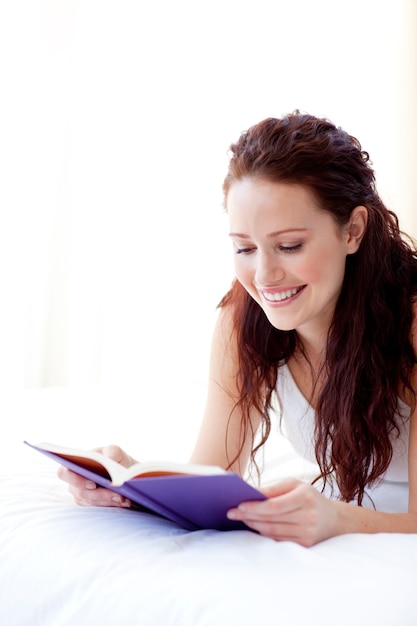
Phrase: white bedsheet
x=63 y=565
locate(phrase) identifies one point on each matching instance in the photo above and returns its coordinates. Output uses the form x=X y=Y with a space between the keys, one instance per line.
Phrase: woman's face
x=290 y=255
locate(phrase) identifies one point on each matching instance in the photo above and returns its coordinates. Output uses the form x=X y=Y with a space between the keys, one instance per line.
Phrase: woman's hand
x=87 y=493
x=294 y=511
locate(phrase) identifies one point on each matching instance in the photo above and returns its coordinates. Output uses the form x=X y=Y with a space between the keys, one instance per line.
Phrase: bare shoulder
x=224 y=352
x=224 y=330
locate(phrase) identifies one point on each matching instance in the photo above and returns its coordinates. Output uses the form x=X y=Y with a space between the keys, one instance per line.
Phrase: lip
x=298 y=289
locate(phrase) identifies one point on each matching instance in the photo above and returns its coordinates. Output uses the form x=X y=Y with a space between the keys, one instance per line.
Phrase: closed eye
x=244 y=250
x=290 y=249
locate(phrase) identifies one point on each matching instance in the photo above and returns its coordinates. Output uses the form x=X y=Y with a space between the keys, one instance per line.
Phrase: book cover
x=194 y=501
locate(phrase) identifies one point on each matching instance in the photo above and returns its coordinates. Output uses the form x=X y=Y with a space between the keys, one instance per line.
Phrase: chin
x=279 y=325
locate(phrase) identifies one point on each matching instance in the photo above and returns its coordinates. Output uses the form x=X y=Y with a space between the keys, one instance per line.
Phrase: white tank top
x=298 y=418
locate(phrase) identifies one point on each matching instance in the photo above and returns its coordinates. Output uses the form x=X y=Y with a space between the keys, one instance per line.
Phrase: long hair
x=369 y=354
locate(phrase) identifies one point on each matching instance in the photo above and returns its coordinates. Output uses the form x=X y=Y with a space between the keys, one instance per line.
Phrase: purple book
x=193 y=496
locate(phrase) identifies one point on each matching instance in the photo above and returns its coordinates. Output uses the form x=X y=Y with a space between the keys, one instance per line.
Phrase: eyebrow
x=271 y=235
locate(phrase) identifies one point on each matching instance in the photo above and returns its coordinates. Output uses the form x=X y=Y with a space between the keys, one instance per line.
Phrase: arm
x=220 y=437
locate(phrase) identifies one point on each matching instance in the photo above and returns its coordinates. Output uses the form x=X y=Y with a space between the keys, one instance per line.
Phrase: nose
x=269 y=270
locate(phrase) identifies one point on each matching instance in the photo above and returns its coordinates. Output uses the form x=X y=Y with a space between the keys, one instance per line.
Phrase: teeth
x=282 y=295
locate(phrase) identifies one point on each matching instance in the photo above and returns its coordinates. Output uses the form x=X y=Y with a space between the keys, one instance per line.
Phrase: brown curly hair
x=369 y=355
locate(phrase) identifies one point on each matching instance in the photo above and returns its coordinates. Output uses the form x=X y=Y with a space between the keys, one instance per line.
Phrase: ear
x=356 y=228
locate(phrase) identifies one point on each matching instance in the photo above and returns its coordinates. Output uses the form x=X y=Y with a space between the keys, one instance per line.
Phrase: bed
x=63 y=565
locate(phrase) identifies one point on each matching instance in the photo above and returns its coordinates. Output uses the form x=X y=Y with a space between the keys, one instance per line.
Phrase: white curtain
x=116 y=119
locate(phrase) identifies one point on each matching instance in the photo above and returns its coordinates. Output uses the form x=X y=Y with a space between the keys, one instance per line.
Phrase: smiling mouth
x=281 y=296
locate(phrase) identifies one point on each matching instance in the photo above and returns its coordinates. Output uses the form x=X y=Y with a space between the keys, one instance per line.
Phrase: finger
x=253 y=512
x=99 y=497
x=276 y=507
x=113 y=452
x=281 y=488
x=280 y=527
x=283 y=532
x=116 y=453
x=74 y=480
x=87 y=493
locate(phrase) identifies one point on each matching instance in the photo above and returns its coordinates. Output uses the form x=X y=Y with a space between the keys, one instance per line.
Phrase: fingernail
x=90 y=485
x=231 y=514
x=117 y=499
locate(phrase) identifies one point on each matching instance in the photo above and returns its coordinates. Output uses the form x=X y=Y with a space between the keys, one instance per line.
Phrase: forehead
x=258 y=199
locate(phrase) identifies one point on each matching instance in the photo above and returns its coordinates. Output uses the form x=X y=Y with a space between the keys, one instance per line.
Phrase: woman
x=321 y=314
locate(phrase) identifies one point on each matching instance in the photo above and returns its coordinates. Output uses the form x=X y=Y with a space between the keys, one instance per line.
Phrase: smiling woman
x=290 y=254
x=302 y=182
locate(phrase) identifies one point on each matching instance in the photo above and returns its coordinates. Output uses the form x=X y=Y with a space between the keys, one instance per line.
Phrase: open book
x=193 y=496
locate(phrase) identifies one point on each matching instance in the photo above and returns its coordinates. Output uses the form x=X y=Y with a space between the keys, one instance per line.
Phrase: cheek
x=243 y=271
x=326 y=267
x=314 y=274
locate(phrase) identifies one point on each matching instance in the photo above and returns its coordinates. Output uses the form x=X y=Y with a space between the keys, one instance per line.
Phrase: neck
x=307 y=368
x=312 y=350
